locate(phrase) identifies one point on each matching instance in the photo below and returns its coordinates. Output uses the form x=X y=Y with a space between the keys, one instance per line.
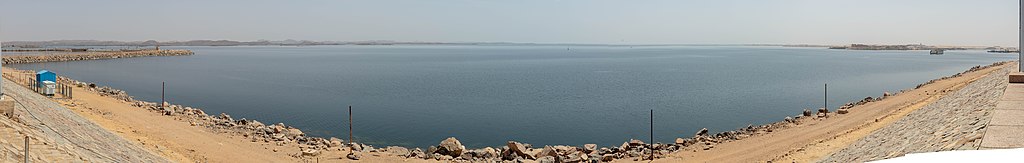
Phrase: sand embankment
x=15 y=59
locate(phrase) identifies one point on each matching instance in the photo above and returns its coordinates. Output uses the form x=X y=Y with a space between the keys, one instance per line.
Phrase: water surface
x=486 y=95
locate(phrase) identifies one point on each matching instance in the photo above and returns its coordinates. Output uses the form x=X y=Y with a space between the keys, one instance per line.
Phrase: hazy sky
x=934 y=22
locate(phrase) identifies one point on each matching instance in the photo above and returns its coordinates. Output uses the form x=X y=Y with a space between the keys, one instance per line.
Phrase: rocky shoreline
x=91 y=56
x=452 y=150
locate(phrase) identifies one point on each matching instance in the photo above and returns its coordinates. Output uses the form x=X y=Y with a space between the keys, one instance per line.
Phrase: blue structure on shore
x=45 y=75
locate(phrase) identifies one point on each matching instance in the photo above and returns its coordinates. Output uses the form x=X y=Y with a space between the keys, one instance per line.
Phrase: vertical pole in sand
x=1020 y=41
x=652 y=133
x=26 y=148
x=350 y=140
x=826 y=97
x=162 y=101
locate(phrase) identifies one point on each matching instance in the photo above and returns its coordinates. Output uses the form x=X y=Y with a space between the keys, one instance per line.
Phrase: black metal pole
x=652 y=133
x=826 y=96
x=162 y=101
x=350 y=140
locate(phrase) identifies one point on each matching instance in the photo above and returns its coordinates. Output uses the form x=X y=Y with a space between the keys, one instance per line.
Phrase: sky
x=832 y=22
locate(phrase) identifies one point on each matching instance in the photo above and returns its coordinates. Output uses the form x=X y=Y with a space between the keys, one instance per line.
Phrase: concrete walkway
x=1006 y=130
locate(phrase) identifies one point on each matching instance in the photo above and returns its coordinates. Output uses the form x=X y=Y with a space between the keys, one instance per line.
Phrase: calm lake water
x=486 y=95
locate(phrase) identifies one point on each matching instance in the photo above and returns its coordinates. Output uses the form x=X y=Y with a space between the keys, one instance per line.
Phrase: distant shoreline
x=41 y=44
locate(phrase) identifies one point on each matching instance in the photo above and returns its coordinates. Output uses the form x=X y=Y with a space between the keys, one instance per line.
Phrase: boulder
x=518 y=149
x=418 y=153
x=886 y=94
x=547 y=151
x=680 y=141
x=310 y=152
x=789 y=119
x=587 y=148
x=701 y=132
x=431 y=150
x=353 y=155
x=355 y=146
x=807 y=112
x=574 y=158
x=278 y=128
x=634 y=142
x=400 y=151
x=225 y=116
x=294 y=132
x=450 y=147
x=822 y=110
x=546 y=159
x=843 y=111
x=607 y=157
x=255 y=124
x=489 y=153
x=335 y=142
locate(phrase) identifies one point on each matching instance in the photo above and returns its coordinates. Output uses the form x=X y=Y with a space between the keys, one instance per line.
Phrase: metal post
x=652 y=133
x=350 y=140
x=1 y=71
x=1020 y=40
x=826 y=96
x=26 y=148
x=162 y=101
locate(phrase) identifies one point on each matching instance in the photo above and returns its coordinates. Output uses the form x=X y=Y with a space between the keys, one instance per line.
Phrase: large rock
x=683 y=141
x=547 y=159
x=489 y=153
x=518 y=149
x=843 y=111
x=587 y=148
x=310 y=152
x=355 y=146
x=335 y=142
x=451 y=147
x=807 y=113
x=278 y=128
x=353 y=155
x=547 y=151
x=400 y=151
x=635 y=143
x=293 y=132
x=823 y=110
x=607 y=157
x=701 y=132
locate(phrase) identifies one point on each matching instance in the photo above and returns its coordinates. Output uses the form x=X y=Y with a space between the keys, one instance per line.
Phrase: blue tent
x=45 y=75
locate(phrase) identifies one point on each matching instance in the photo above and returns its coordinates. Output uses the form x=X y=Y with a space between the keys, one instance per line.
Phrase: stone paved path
x=1006 y=130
